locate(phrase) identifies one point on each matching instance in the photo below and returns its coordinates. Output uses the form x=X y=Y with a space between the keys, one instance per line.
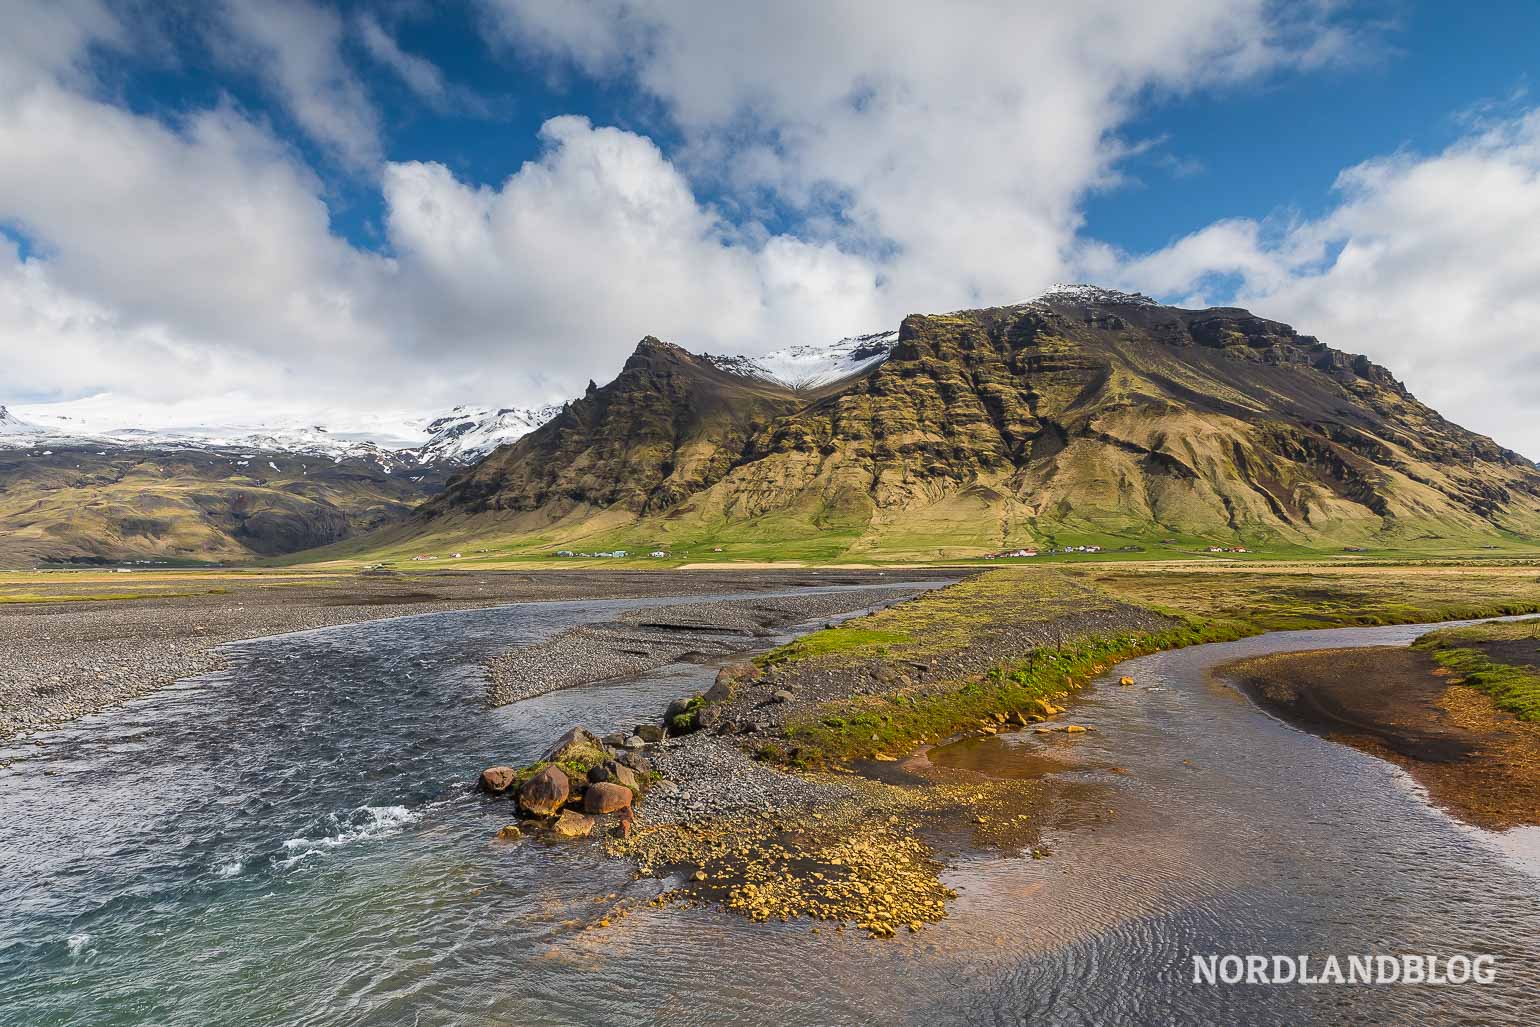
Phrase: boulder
x=544 y=793
x=511 y=833
x=636 y=761
x=708 y=717
x=615 y=739
x=572 y=825
x=781 y=695
x=576 y=743
x=1125 y=680
x=606 y=797
x=650 y=732
x=728 y=680
x=615 y=772
x=665 y=789
x=634 y=742
x=677 y=708
x=497 y=780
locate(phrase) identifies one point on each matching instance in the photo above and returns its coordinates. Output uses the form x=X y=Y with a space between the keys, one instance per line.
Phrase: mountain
x=467 y=434
x=671 y=425
x=1085 y=414
x=78 y=486
x=809 y=367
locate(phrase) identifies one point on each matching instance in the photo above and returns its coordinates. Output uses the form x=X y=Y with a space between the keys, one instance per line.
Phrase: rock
x=708 y=717
x=572 y=825
x=618 y=773
x=543 y=794
x=615 y=740
x=781 y=695
x=636 y=761
x=606 y=797
x=575 y=743
x=1074 y=729
x=497 y=780
x=511 y=833
x=652 y=733
x=665 y=789
x=1125 y=680
x=676 y=708
x=634 y=742
x=728 y=679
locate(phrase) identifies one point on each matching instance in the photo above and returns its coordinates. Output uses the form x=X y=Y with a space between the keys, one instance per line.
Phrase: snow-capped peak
x=810 y=366
x=467 y=434
x=1092 y=294
x=10 y=424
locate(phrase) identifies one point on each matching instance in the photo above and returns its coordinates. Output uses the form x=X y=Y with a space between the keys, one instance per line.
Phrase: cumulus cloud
x=1429 y=263
x=951 y=141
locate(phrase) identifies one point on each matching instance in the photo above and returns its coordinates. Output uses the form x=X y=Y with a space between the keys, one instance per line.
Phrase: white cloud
x=295 y=46
x=1428 y=263
x=598 y=241
x=421 y=75
x=955 y=140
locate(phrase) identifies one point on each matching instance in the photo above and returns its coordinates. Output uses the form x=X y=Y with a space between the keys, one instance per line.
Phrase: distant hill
x=1084 y=414
x=74 y=490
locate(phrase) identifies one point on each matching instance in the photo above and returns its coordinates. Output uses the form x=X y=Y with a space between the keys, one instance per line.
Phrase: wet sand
x=1477 y=761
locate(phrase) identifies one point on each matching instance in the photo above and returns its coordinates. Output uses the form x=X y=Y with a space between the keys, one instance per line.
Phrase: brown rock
x=511 y=833
x=728 y=680
x=1125 y=680
x=544 y=793
x=497 y=780
x=572 y=825
x=606 y=797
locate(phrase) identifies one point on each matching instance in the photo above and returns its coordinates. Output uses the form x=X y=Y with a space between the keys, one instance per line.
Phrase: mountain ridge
x=1084 y=411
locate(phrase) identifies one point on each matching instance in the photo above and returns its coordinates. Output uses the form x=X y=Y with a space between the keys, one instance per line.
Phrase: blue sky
x=307 y=205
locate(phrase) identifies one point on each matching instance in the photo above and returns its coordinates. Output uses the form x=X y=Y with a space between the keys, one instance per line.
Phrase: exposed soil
x=1395 y=703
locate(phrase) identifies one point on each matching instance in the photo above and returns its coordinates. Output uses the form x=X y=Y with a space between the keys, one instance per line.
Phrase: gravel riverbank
x=63 y=657
x=641 y=640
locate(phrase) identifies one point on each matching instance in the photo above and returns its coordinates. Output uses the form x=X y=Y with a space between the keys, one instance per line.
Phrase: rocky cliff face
x=671 y=425
x=1084 y=411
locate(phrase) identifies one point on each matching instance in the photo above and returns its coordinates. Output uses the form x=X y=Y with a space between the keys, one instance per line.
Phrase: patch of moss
x=684 y=723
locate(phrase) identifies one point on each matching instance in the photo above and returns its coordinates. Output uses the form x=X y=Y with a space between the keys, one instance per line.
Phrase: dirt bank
x=1395 y=703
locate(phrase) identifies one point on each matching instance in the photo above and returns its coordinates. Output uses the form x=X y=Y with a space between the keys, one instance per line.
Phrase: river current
x=294 y=841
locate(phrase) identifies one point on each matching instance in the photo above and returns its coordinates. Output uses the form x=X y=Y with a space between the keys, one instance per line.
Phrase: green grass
x=852 y=641
x=101 y=597
x=897 y=722
x=1513 y=688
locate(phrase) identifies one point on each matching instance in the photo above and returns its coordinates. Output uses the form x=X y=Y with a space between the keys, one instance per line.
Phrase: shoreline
x=73 y=655
x=1397 y=704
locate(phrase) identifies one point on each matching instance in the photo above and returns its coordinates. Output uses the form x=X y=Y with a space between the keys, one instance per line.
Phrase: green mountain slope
x=1085 y=416
x=84 y=504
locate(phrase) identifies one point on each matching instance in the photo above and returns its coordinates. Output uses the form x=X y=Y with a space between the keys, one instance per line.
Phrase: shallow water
x=305 y=850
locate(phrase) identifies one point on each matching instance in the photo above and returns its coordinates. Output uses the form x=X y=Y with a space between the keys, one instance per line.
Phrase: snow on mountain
x=810 y=366
x=469 y=433
x=11 y=425
x=390 y=441
x=1092 y=294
